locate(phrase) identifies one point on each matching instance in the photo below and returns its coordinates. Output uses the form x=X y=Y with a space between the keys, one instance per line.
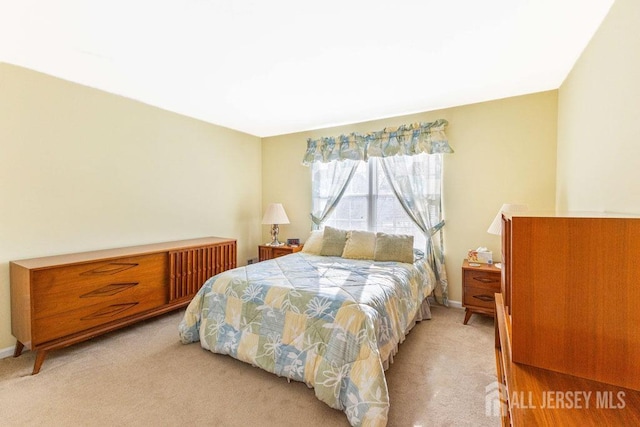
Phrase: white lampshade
x=275 y=214
x=496 y=225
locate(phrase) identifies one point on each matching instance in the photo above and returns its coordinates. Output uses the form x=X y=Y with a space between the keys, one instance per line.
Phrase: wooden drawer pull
x=485 y=298
x=484 y=279
x=111 y=311
x=109 y=290
x=112 y=268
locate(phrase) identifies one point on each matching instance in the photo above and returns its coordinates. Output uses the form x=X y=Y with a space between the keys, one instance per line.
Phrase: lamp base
x=274 y=236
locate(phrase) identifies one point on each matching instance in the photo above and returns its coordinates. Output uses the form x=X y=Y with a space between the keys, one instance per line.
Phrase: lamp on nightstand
x=275 y=215
x=496 y=225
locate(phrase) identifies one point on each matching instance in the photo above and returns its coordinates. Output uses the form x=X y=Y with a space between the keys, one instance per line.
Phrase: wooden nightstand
x=479 y=286
x=266 y=252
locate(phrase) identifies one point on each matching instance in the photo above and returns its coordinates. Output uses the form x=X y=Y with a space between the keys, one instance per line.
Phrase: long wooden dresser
x=568 y=321
x=60 y=300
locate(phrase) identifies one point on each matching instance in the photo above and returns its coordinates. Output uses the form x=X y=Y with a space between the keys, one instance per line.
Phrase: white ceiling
x=280 y=66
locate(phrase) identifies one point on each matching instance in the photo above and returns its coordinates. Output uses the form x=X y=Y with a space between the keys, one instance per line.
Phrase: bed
x=332 y=322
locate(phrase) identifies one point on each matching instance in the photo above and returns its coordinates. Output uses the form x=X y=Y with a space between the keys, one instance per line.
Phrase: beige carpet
x=143 y=376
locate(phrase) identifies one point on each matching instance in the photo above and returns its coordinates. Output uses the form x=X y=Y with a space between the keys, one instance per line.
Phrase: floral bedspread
x=326 y=321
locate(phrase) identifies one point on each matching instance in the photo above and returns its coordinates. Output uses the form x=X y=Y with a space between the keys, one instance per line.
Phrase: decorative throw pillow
x=333 y=241
x=359 y=245
x=313 y=245
x=394 y=247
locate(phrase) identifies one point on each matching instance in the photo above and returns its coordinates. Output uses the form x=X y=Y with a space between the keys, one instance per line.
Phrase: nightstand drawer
x=482 y=279
x=479 y=297
x=266 y=252
x=278 y=252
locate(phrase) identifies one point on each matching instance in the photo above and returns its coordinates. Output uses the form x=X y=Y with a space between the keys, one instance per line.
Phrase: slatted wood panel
x=225 y=257
x=264 y=253
x=191 y=267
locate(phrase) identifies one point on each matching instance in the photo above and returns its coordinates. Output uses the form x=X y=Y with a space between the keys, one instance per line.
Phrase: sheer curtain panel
x=328 y=184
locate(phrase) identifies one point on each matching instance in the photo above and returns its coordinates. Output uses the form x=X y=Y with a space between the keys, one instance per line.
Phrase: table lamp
x=275 y=215
x=496 y=225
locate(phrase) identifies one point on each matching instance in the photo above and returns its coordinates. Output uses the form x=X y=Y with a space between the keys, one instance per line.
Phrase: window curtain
x=411 y=158
x=328 y=184
x=409 y=140
x=415 y=178
x=416 y=182
x=335 y=162
x=326 y=150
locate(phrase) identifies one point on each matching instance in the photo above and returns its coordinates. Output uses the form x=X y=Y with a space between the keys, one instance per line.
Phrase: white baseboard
x=455 y=304
x=6 y=352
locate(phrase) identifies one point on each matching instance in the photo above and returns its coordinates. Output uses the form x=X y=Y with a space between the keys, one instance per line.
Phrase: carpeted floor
x=143 y=376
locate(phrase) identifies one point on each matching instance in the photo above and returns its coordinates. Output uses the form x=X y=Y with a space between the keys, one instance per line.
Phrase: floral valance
x=406 y=140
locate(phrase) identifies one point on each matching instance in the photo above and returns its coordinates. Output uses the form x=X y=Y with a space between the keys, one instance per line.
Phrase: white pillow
x=313 y=245
x=360 y=245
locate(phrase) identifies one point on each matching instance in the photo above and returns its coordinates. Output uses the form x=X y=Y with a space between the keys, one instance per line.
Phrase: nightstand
x=479 y=286
x=266 y=252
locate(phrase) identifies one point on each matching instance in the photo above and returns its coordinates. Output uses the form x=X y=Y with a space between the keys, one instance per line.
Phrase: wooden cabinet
x=266 y=252
x=527 y=395
x=479 y=286
x=573 y=289
x=568 y=320
x=61 y=300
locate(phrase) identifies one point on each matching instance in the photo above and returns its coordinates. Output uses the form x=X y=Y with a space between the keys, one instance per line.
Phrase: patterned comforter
x=326 y=321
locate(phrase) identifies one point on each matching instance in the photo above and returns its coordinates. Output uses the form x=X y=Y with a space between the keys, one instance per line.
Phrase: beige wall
x=598 y=119
x=82 y=169
x=505 y=151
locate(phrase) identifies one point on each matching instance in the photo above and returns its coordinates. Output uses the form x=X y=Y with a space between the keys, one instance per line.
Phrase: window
x=351 y=194
x=368 y=203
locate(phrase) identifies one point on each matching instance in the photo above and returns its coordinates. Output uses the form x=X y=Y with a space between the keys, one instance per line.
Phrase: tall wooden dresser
x=60 y=300
x=568 y=320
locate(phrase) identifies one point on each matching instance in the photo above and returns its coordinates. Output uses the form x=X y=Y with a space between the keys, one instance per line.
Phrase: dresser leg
x=467 y=315
x=19 y=347
x=40 y=355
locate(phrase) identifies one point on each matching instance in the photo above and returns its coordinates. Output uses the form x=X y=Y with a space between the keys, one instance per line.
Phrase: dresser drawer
x=479 y=297
x=482 y=279
x=91 y=312
x=71 y=287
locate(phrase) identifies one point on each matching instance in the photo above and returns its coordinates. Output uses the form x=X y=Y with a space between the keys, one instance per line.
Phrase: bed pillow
x=394 y=247
x=333 y=241
x=359 y=245
x=313 y=245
